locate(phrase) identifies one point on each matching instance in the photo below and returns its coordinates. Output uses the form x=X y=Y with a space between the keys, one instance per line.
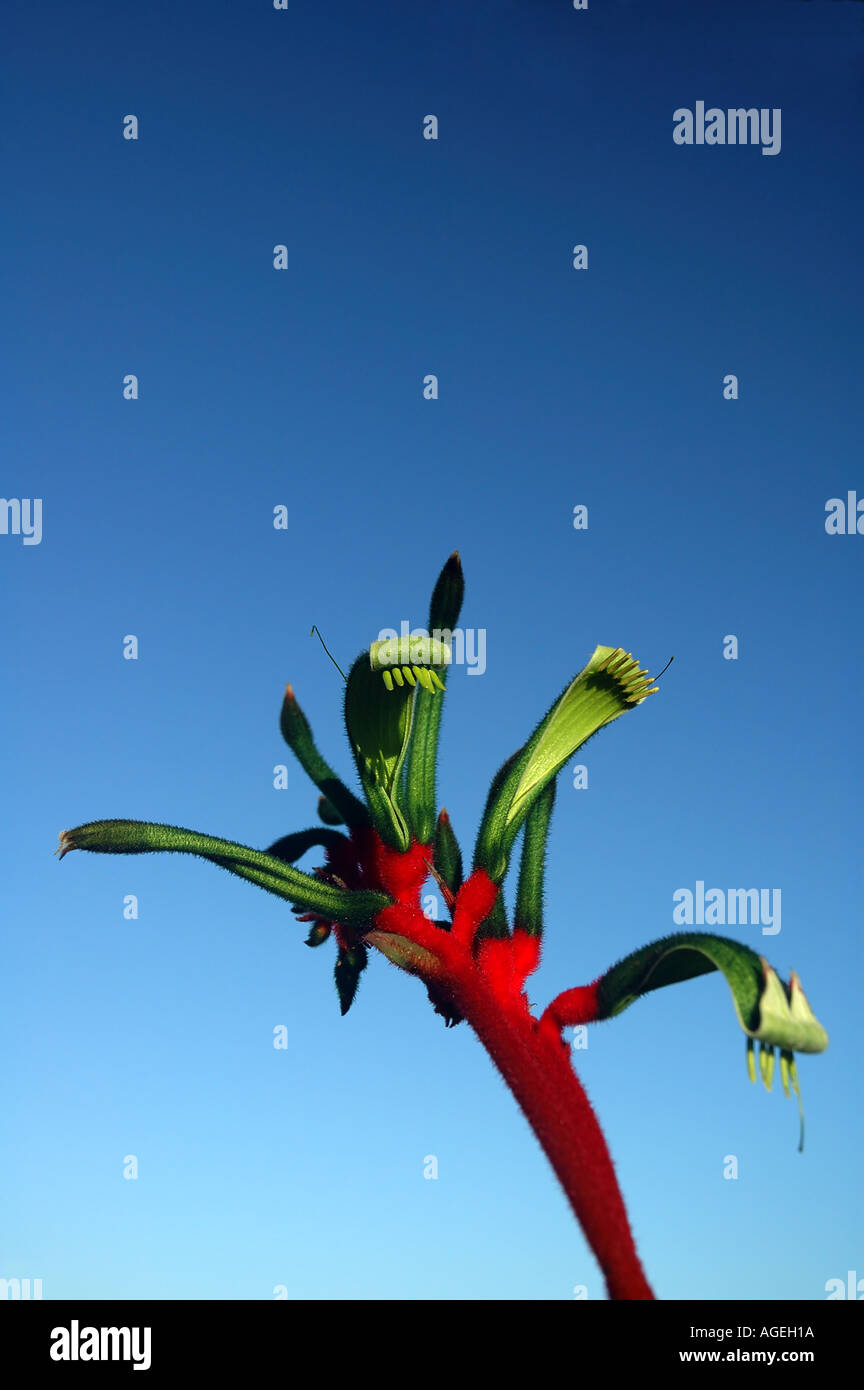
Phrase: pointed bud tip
x=289 y=693
x=443 y=816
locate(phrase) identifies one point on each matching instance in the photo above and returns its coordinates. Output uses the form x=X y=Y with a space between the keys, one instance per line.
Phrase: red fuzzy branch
x=573 y=1007
x=474 y=901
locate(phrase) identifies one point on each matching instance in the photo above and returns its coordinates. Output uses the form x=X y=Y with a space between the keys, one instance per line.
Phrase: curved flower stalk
x=475 y=964
x=776 y=1014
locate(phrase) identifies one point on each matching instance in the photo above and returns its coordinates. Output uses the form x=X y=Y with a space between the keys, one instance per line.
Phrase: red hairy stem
x=535 y=1064
x=484 y=980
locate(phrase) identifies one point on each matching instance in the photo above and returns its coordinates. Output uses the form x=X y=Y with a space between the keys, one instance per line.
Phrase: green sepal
x=301 y=890
x=610 y=684
x=350 y=964
x=420 y=796
x=532 y=868
x=297 y=733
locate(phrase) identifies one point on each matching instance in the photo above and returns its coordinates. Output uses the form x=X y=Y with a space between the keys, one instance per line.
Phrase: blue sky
x=303 y=1168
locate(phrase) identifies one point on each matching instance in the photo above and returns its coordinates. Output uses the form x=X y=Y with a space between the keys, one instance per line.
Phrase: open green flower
x=609 y=685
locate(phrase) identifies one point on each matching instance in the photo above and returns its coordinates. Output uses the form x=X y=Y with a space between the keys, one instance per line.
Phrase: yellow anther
x=784 y=1073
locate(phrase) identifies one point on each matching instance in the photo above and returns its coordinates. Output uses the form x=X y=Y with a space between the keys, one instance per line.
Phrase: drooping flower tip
x=67 y=843
x=785 y=1016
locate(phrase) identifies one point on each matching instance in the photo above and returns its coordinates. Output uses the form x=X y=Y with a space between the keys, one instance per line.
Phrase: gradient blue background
x=304 y=1167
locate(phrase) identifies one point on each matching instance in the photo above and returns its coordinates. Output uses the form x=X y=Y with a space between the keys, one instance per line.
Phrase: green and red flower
x=475 y=964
